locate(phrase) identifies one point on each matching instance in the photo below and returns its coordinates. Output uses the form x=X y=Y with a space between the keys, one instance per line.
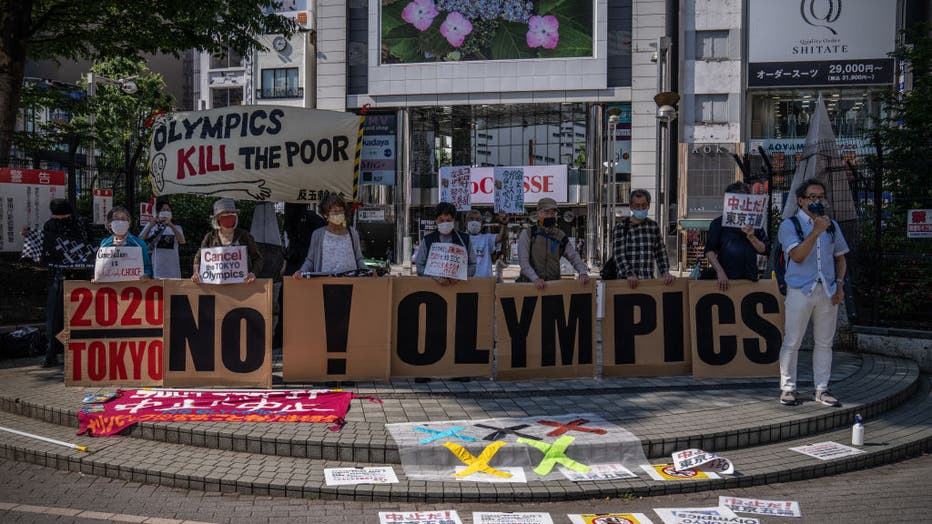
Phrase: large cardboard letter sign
x=545 y=334
x=645 y=331
x=737 y=333
x=218 y=335
x=442 y=331
x=113 y=334
x=337 y=329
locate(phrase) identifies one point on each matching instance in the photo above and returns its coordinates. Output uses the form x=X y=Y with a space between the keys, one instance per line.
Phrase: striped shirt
x=640 y=251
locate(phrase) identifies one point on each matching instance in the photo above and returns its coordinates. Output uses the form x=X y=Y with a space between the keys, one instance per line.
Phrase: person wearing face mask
x=334 y=249
x=637 y=244
x=483 y=245
x=542 y=245
x=225 y=233
x=815 y=270
x=446 y=214
x=164 y=237
x=733 y=251
x=118 y=220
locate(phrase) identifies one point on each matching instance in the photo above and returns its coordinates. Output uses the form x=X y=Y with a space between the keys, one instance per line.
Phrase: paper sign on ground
x=223 y=265
x=349 y=476
x=489 y=517
x=509 y=189
x=744 y=210
x=440 y=516
x=781 y=508
x=705 y=518
x=610 y=518
x=447 y=260
x=517 y=476
x=456 y=186
x=668 y=472
x=599 y=472
x=672 y=515
x=702 y=460
x=827 y=450
x=118 y=264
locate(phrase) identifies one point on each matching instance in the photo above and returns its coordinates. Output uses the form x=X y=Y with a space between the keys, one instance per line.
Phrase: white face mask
x=337 y=218
x=166 y=215
x=474 y=227
x=445 y=228
x=119 y=227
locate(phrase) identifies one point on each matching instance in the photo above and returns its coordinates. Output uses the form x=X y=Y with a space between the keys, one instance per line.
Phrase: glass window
x=711 y=108
x=711 y=44
x=280 y=83
x=229 y=58
x=225 y=97
x=710 y=168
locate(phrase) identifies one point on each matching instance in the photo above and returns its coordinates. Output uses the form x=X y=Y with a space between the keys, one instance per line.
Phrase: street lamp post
x=611 y=183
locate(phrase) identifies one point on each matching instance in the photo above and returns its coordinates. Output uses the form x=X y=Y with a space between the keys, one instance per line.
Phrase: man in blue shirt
x=815 y=270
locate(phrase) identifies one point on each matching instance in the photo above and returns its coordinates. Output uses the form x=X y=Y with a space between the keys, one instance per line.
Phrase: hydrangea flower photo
x=462 y=30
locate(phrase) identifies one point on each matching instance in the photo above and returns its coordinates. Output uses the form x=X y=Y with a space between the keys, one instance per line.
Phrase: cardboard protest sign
x=610 y=518
x=337 y=329
x=223 y=265
x=546 y=333
x=455 y=186
x=352 y=476
x=271 y=153
x=113 y=333
x=218 y=336
x=827 y=450
x=744 y=210
x=442 y=331
x=488 y=517
x=118 y=264
x=103 y=203
x=780 y=508
x=509 y=189
x=737 y=333
x=645 y=331
x=447 y=260
x=24 y=202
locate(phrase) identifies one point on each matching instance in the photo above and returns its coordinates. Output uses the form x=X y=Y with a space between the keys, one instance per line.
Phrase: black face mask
x=817 y=208
x=549 y=221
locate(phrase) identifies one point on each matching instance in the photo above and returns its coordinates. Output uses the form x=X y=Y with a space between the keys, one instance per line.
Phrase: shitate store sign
x=254 y=153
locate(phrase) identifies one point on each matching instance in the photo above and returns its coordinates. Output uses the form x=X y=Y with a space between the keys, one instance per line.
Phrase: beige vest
x=545 y=253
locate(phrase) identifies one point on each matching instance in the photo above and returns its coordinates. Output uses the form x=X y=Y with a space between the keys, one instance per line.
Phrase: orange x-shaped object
x=477 y=464
x=573 y=425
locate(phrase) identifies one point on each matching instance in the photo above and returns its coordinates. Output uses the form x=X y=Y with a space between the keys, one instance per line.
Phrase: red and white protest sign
x=539 y=182
x=744 y=210
x=118 y=264
x=455 y=186
x=223 y=265
x=146 y=212
x=779 y=508
x=702 y=460
x=24 y=202
x=103 y=203
x=919 y=223
x=447 y=260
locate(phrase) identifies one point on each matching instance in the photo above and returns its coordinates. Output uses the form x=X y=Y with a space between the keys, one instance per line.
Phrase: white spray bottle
x=857 y=431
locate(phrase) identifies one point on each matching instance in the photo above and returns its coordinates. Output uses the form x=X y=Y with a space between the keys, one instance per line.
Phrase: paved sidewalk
x=896 y=492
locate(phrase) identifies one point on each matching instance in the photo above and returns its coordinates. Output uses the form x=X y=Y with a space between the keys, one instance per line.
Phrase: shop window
x=710 y=168
x=226 y=97
x=711 y=45
x=227 y=59
x=711 y=108
x=280 y=83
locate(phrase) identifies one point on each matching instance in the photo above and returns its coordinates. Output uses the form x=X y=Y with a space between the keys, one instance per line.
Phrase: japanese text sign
x=744 y=210
x=447 y=260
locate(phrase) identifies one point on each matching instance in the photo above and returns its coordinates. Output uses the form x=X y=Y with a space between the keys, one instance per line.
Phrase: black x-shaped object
x=501 y=432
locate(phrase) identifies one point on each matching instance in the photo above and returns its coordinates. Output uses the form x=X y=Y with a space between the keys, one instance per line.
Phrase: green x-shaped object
x=554 y=454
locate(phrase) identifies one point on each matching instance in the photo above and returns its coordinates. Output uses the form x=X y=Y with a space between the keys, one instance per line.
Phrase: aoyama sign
x=820 y=42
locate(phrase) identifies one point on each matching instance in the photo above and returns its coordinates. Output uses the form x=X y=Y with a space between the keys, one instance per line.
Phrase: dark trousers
x=54 y=315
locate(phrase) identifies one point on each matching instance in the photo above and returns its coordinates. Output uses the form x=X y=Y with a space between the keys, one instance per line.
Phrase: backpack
x=778 y=257
x=610 y=268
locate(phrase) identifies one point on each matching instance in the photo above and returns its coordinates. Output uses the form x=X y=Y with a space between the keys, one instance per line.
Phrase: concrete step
x=898 y=433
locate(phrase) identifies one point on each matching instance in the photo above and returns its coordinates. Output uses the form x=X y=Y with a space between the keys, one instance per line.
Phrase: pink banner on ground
x=219 y=405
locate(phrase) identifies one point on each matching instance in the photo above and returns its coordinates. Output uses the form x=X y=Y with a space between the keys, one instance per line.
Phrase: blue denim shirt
x=819 y=266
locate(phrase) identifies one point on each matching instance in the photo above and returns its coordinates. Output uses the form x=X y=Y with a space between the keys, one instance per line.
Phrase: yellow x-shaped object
x=478 y=464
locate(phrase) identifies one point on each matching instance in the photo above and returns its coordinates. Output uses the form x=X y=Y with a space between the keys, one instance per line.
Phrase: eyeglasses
x=816 y=198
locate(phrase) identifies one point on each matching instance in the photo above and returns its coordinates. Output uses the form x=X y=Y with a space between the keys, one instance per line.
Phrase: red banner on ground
x=189 y=405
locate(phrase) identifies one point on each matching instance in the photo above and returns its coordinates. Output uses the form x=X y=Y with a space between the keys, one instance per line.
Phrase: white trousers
x=799 y=308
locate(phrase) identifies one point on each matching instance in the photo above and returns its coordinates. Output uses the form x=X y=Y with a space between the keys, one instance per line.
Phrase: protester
x=815 y=251
x=483 y=245
x=541 y=247
x=445 y=233
x=638 y=246
x=333 y=249
x=118 y=221
x=163 y=237
x=732 y=252
x=225 y=234
x=300 y=223
x=66 y=251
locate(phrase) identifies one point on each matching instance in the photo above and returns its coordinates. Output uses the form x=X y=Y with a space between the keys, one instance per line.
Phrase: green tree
x=103 y=29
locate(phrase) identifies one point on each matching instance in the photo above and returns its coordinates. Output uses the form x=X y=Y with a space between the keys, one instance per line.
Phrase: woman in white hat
x=225 y=233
